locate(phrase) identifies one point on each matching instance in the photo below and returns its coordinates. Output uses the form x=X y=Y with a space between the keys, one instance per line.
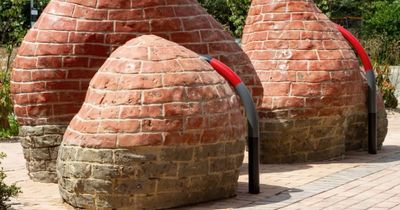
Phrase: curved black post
x=252 y=121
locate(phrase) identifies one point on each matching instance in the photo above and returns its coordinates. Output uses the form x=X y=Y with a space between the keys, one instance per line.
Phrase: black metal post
x=34 y=14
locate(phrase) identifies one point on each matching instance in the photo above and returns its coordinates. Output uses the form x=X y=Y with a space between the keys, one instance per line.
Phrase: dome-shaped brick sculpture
x=73 y=38
x=159 y=128
x=314 y=101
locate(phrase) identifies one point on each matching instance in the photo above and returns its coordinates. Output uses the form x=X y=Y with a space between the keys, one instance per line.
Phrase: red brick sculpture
x=313 y=103
x=73 y=38
x=159 y=128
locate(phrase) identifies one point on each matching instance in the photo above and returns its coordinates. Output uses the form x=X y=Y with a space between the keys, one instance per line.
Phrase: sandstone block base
x=301 y=140
x=148 y=177
x=40 y=146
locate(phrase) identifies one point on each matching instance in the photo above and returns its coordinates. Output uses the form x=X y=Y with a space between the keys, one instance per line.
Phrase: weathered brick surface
x=73 y=38
x=124 y=150
x=312 y=104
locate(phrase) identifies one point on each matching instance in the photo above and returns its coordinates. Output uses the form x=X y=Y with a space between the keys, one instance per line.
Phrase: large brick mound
x=159 y=128
x=73 y=38
x=313 y=102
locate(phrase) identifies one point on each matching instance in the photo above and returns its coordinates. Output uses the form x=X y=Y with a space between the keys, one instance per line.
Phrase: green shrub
x=8 y=124
x=383 y=19
x=13 y=20
x=6 y=192
x=385 y=86
x=230 y=13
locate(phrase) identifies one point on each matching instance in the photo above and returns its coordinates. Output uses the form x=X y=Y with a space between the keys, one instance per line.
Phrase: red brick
x=329 y=55
x=86 y=37
x=133 y=14
x=184 y=37
x=59 y=8
x=103 y=26
x=51 y=49
x=90 y=13
x=143 y=111
x=288 y=102
x=21 y=76
x=32 y=87
x=137 y=26
x=122 y=98
x=274 y=8
x=52 y=22
x=49 y=62
x=305 y=89
x=119 y=126
x=24 y=62
x=132 y=82
x=159 y=12
x=164 y=95
x=100 y=140
x=313 y=77
x=170 y=25
x=201 y=22
x=62 y=85
x=114 y=4
x=276 y=88
x=89 y=3
x=182 y=109
x=201 y=93
x=91 y=49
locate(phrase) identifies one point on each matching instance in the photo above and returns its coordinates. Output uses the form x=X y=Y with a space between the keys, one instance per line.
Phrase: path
x=360 y=181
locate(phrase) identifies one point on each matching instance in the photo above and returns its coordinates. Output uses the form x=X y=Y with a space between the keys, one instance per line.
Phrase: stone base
x=357 y=130
x=40 y=146
x=301 y=140
x=148 y=177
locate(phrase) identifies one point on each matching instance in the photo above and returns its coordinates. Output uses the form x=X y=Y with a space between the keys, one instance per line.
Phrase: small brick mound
x=159 y=128
x=313 y=99
x=73 y=38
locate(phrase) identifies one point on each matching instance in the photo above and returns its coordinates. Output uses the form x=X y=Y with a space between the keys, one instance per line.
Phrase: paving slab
x=359 y=181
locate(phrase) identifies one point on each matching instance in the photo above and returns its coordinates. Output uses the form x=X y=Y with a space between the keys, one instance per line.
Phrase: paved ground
x=360 y=181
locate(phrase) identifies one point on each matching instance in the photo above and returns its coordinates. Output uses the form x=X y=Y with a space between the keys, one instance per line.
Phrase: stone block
x=97 y=156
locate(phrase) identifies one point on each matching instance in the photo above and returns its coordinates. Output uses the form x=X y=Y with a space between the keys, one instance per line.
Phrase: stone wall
x=149 y=177
x=40 y=146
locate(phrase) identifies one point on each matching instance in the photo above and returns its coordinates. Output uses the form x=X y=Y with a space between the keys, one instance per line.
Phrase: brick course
x=312 y=101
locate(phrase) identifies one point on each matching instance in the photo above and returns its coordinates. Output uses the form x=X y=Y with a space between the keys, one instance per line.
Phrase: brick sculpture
x=73 y=38
x=313 y=105
x=159 y=128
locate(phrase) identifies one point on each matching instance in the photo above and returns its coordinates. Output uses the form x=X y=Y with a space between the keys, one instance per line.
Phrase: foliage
x=231 y=13
x=385 y=86
x=13 y=21
x=6 y=192
x=384 y=19
x=8 y=125
x=382 y=49
x=340 y=8
x=239 y=9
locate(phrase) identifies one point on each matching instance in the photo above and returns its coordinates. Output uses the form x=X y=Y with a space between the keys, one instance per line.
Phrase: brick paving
x=359 y=181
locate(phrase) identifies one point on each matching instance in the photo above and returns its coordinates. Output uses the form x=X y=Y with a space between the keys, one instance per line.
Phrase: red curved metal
x=226 y=72
x=357 y=47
